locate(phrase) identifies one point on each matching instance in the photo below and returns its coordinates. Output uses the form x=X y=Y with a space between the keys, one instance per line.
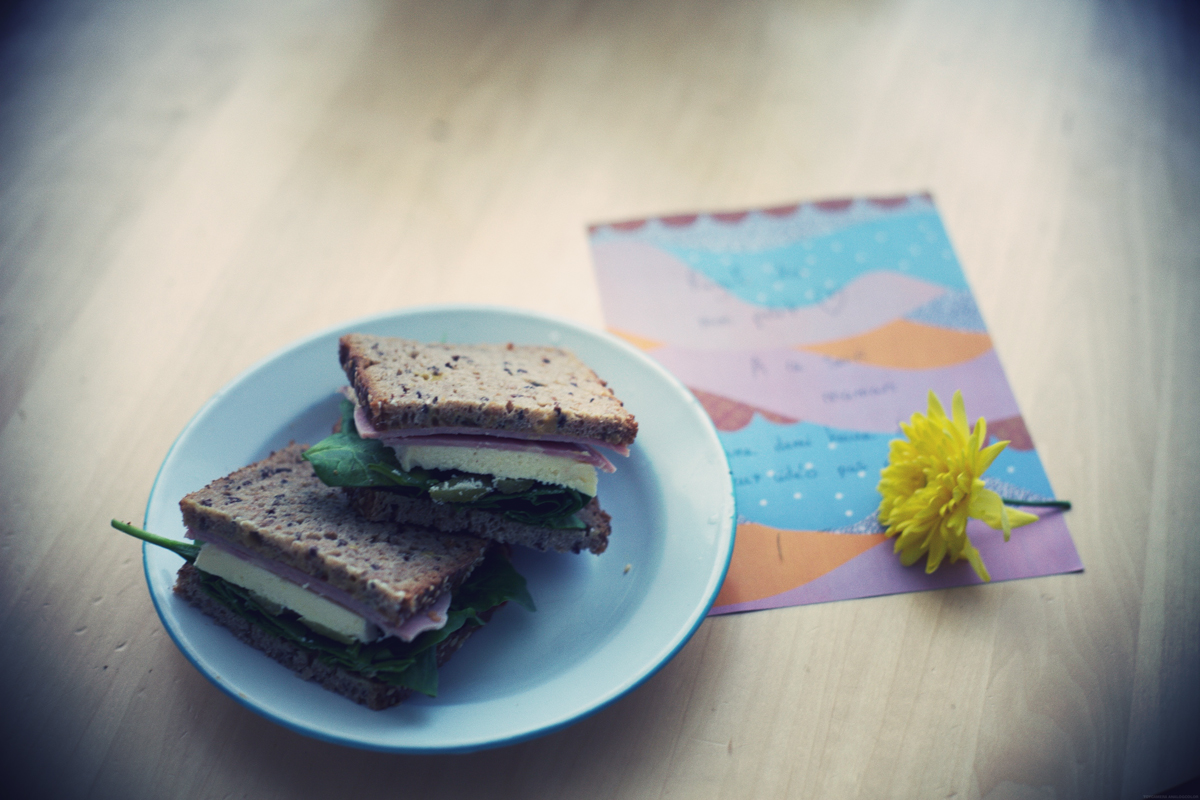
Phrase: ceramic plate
x=603 y=623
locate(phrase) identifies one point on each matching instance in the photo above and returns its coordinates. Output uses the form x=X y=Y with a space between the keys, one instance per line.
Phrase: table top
x=186 y=188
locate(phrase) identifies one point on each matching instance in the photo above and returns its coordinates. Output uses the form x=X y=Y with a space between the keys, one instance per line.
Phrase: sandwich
x=495 y=441
x=369 y=610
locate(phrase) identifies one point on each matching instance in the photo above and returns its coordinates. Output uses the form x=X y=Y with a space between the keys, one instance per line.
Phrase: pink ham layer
x=581 y=450
x=429 y=619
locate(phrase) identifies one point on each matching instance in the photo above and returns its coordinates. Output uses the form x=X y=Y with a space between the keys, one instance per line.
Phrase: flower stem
x=1065 y=505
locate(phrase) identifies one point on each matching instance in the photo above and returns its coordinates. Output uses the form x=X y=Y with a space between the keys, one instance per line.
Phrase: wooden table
x=185 y=188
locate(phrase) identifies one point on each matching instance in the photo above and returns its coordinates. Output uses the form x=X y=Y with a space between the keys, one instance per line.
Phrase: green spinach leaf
x=345 y=458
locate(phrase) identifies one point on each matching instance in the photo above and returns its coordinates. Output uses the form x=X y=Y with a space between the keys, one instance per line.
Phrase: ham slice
x=582 y=450
x=431 y=618
x=575 y=452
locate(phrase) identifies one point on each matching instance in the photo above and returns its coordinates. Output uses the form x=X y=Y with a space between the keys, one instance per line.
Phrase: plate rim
x=725 y=537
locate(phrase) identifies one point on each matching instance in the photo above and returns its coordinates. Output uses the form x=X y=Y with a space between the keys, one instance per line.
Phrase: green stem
x=1065 y=505
x=187 y=550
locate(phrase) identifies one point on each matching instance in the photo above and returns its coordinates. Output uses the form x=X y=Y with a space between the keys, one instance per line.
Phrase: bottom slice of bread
x=384 y=506
x=372 y=693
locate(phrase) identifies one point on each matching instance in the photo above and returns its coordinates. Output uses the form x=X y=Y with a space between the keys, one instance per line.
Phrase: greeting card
x=809 y=333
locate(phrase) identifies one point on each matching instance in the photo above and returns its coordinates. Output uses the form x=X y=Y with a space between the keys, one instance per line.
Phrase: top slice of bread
x=279 y=509
x=404 y=384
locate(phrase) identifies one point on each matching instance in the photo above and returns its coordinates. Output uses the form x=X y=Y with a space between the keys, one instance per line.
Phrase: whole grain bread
x=384 y=506
x=406 y=384
x=367 y=691
x=280 y=509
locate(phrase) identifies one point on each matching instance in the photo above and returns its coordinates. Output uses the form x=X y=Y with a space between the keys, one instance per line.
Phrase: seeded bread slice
x=387 y=506
x=404 y=384
x=370 y=692
x=279 y=509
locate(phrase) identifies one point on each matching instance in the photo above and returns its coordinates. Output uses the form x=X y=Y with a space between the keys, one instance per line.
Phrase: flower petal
x=937 y=551
x=1017 y=517
x=977 y=564
x=935 y=406
x=959 y=409
x=988 y=454
x=987 y=506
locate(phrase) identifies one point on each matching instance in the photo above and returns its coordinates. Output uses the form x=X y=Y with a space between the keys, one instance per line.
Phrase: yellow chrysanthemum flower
x=933 y=483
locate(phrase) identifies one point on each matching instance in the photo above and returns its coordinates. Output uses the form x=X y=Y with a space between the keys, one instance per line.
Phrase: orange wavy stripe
x=768 y=561
x=902 y=344
x=640 y=342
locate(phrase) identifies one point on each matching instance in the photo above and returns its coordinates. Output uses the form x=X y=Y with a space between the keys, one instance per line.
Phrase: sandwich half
x=495 y=441
x=366 y=609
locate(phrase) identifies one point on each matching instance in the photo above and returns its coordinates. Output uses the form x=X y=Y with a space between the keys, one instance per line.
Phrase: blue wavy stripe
x=955 y=310
x=812 y=477
x=811 y=269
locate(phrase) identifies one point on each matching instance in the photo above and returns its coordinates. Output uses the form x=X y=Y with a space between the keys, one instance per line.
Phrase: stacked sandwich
x=497 y=441
x=369 y=610
x=364 y=562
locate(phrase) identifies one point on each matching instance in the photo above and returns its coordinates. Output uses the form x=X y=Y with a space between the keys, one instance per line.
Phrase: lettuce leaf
x=347 y=459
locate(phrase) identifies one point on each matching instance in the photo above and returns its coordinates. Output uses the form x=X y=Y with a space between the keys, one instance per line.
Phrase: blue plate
x=604 y=623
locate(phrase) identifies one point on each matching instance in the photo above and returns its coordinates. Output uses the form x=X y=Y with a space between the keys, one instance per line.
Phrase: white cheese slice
x=501 y=463
x=325 y=615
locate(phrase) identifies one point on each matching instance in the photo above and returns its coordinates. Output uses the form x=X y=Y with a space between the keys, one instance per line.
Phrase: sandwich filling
x=322 y=607
x=410 y=664
x=561 y=463
x=535 y=482
x=582 y=450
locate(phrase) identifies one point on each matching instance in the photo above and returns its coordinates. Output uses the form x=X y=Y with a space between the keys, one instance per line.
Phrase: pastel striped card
x=809 y=332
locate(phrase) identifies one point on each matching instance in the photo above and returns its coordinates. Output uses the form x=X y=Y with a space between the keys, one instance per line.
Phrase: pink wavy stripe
x=1040 y=548
x=653 y=294
x=841 y=394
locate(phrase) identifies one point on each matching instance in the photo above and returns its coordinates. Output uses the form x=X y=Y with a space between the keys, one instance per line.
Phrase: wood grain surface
x=187 y=187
